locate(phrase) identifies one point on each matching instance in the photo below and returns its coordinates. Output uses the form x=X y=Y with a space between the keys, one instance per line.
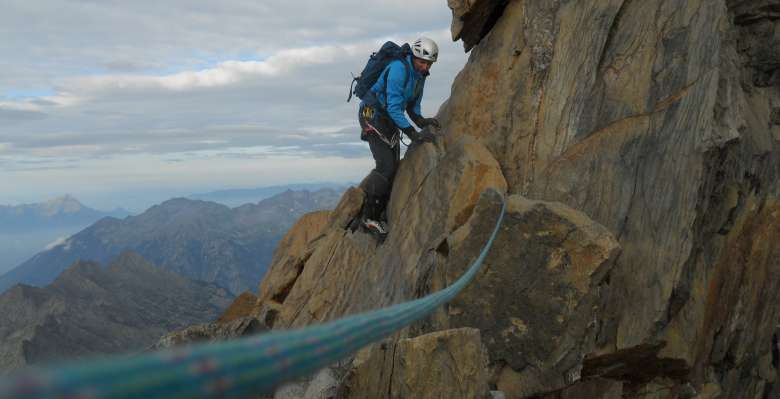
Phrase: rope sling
x=237 y=368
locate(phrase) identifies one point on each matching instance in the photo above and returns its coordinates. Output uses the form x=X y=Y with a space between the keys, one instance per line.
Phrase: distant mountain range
x=58 y=212
x=90 y=309
x=26 y=229
x=197 y=239
x=236 y=197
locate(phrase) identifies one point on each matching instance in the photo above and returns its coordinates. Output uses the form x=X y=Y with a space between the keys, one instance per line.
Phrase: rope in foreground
x=237 y=368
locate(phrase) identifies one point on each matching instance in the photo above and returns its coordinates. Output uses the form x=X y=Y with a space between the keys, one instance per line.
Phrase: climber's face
x=422 y=66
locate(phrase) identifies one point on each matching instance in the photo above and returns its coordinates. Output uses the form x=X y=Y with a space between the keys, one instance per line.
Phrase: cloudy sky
x=115 y=100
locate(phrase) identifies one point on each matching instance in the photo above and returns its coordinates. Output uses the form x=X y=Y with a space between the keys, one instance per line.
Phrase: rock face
x=656 y=119
x=472 y=19
x=443 y=364
x=201 y=240
x=342 y=272
x=551 y=257
x=537 y=301
x=91 y=310
x=215 y=331
x=638 y=146
x=240 y=307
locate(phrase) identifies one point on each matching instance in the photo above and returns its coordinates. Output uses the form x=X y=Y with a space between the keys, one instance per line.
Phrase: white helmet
x=426 y=49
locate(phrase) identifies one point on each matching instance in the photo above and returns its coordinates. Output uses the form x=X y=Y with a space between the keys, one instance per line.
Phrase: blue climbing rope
x=237 y=368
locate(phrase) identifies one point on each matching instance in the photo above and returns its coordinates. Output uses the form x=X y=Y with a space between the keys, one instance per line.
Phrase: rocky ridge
x=637 y=145
x=90 y=309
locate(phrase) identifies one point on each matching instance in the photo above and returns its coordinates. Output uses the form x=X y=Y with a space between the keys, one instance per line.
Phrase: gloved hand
x=419 y=137
x=422 y=122
x=426 y=136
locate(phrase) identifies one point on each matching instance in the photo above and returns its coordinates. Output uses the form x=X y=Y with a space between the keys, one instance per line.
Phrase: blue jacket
x=398 y=95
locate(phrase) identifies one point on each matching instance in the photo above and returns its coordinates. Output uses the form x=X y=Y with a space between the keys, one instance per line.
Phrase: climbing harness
x=391 y=142
x=252 y=365
x=368 y=114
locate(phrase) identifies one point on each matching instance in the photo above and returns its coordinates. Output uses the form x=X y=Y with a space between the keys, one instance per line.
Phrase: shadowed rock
x=443 y=364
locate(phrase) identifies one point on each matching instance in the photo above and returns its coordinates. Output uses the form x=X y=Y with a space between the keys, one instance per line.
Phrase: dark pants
x=378 y=184
x=385 y=157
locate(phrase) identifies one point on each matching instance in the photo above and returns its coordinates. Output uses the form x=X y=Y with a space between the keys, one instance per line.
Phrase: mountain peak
x=81 y=269
x=61 y=205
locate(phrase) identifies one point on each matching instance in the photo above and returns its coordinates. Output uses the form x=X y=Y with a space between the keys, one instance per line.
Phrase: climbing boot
x=376 y=228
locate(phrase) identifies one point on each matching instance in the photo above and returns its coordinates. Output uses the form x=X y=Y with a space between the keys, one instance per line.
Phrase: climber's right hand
x=418 y=137
x=426 y=136
x=425 y=122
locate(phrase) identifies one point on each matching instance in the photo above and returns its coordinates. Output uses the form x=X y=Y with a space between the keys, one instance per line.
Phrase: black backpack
x=376 y=64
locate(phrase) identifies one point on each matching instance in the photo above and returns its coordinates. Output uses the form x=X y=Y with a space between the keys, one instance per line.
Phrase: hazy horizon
x=16 y=247
x=137 y=202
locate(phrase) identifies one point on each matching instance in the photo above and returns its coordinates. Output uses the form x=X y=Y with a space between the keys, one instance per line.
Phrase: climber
x=399 y=88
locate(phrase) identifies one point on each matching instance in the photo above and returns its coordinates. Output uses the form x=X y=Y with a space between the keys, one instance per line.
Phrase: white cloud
x=67 y=151
x=57 y=243
x=19 y=106
x=225 y=73
x=38 y=104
